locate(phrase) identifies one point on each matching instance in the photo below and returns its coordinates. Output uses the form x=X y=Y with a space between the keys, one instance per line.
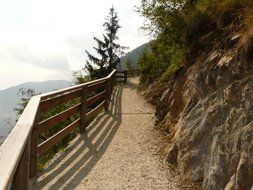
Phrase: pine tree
x=107 y=49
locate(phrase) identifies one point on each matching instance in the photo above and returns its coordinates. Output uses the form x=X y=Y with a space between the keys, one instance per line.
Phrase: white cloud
x=50 y=37
x=24 y=55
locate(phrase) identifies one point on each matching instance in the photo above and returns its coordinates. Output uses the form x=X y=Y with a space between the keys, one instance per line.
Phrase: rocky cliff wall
x=208 y=113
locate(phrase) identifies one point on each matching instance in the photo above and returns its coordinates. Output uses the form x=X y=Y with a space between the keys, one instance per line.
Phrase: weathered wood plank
x=13 y=147
x=46 y=145
x=95 y=98
x=110 y=87
x=95 y=111
x=111 y=74
x=96 y=86
x=82 y=126
x=50 y=103
x=34 y=143
x=51 y=94
x=121 y=71
x=48 y=123
x=122 y=75
x=21 y=177
x=114 y=79
x=73 y=88
x=107 y=92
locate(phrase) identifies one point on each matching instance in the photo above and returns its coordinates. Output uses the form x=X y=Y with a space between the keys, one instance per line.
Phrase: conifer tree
x=107 y=49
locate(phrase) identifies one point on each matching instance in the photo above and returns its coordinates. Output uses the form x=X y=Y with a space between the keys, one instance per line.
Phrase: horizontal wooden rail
x=46 y=124
x=95 y=98
x=52 y=102
x=19 y=152
x=12 y=149
x=96 y=86
x=67 y=90
x=123 y=75
x=95 y=111
x=43 y=147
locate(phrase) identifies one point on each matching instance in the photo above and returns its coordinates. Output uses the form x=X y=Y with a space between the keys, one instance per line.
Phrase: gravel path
x=121 y=150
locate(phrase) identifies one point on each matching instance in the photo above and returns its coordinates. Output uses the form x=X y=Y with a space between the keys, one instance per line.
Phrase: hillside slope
x=133 y=55
x=208 y=109
x=9 y=99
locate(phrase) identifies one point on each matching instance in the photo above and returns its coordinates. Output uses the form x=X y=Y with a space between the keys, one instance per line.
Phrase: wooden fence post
x=107 y=94
x=34 y=144
x=115 y=78
x=83 y=112
x=111 y=88
x=21 y=177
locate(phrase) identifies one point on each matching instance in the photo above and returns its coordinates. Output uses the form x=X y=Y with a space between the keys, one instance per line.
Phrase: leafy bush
x=175 y=63
x=80 y=76
x=178 y=25
x=129 y=64
x=147 y=66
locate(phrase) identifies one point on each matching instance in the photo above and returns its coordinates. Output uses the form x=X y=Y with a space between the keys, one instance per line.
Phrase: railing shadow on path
x=94 y=141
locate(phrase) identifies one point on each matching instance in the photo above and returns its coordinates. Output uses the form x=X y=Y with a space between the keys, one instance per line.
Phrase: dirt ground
x=121 y=149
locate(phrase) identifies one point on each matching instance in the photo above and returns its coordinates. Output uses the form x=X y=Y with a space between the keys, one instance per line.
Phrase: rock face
x=209 y=117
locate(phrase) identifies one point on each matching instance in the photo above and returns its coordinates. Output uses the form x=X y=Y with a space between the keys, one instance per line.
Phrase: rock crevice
x=209 y=117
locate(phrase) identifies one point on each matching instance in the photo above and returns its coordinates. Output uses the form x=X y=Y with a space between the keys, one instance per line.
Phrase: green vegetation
x=147 y=67
x=56 y=128
x=107 y=49
x=133 y=56
x=80 y=77
x=129 y=64
x=177 y=26
x=167 y=50
x=26 y=95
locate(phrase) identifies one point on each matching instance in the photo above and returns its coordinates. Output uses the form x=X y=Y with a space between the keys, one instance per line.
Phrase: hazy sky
x=46 y=39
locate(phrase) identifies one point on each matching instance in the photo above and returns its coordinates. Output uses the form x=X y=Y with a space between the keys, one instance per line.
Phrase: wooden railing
x=20 y=151
x=124 y=74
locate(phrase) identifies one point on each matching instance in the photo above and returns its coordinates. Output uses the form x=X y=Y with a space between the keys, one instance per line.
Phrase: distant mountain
x=134 y=55
x=9 y=100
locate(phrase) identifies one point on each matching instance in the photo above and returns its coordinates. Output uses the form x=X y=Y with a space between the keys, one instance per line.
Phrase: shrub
x=178 y=25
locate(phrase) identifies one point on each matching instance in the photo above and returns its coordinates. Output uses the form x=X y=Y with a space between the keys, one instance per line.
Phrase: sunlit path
x=118 y=151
